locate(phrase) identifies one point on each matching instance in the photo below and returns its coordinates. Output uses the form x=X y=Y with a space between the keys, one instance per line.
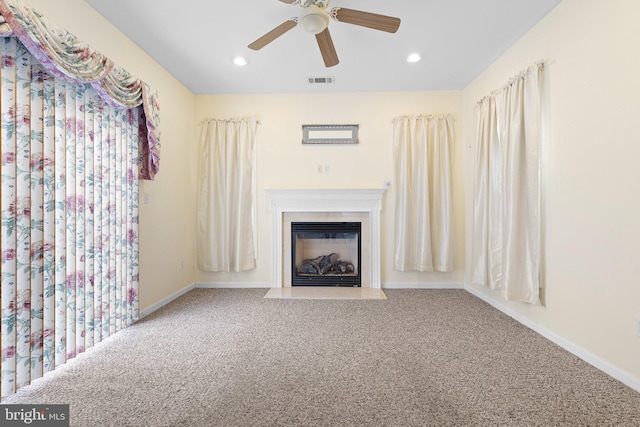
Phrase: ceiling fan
x=314 y=18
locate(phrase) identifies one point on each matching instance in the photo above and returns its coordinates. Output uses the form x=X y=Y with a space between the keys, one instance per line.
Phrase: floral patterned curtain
x=69 y=199
x=69 y=59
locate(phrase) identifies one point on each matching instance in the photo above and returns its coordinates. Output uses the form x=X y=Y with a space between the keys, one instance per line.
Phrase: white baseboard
x=606 y=367
x=144 y=313
x=234 y=285
x=421 y=285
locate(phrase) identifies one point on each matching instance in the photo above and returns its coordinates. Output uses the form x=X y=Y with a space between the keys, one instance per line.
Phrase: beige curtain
x=225 y=237
x=422 y=169
x=506 y=208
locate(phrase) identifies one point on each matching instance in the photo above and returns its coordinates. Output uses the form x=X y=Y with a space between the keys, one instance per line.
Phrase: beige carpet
x=219 y=357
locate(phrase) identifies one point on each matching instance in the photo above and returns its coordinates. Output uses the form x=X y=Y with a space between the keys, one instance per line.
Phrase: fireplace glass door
x=325 y=254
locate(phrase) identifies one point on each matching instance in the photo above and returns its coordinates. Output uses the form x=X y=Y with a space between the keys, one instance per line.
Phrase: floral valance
x=68 y=58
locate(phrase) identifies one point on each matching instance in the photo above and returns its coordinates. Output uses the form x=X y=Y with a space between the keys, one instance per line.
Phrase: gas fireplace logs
x=328 y=265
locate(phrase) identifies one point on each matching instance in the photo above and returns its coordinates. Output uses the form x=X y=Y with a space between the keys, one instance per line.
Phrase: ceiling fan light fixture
x=314 y=20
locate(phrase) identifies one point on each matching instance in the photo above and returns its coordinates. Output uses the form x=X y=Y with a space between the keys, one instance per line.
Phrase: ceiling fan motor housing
x=314 y=19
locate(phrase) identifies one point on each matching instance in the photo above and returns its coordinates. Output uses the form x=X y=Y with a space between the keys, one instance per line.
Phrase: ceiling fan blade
x=367 y=19
x=327 y=49
x=273 y=34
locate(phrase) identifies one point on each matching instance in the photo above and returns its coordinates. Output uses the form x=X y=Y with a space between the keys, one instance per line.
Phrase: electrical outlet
x=638 y=327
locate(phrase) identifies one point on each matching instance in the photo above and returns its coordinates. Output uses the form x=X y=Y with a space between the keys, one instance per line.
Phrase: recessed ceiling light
x=414 y=57
x=239 y=60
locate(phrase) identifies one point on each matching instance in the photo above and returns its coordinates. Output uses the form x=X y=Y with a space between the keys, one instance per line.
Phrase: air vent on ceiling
x=325 y=80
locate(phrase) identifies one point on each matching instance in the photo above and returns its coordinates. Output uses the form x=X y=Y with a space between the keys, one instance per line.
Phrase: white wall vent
x=325 y=80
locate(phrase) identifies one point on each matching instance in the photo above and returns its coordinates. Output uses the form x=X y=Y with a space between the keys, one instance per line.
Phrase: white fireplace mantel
x=366 y=200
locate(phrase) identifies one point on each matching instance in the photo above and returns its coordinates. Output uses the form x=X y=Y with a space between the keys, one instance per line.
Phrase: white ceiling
x=196 y=41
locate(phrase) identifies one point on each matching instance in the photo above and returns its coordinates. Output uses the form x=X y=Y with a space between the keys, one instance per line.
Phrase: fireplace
x=326 y=205
x=326 y=254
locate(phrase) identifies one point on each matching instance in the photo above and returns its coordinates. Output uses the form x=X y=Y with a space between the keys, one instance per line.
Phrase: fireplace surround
x=326 y=205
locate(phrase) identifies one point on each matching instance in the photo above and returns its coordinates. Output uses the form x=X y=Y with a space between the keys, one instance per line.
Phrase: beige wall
x=166 y=223
x=283 y=162
x=590 y=173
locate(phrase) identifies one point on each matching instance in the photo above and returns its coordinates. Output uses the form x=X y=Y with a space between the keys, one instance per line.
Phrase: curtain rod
x=423 y=116
x=538 y=64
x=232 y=120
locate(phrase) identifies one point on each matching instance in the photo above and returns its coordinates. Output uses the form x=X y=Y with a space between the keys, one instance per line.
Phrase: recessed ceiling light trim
x=240 y=61
x=413 y=58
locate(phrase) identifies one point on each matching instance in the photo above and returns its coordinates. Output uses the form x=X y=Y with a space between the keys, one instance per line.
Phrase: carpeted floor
x=420 y=358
